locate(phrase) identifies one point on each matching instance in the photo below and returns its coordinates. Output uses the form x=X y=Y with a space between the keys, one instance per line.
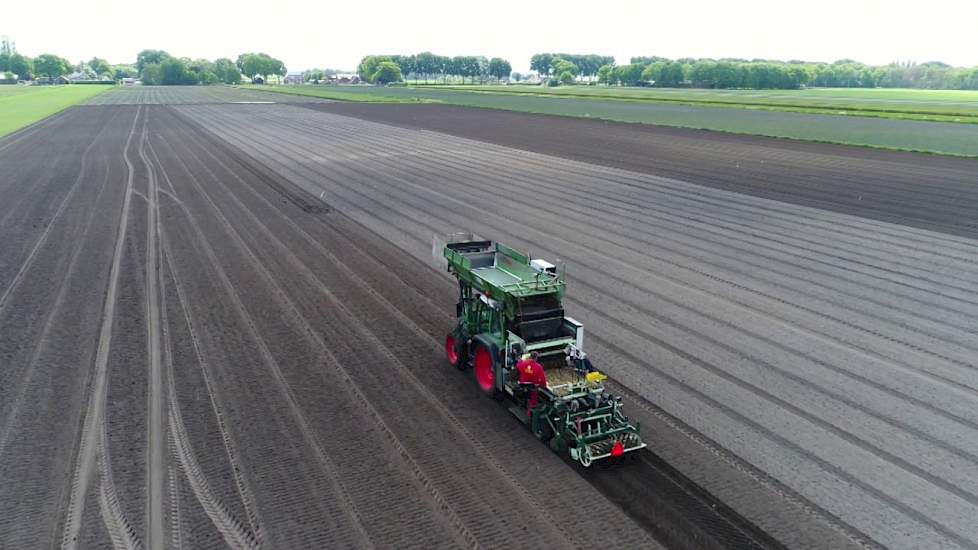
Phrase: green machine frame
x=510 y=304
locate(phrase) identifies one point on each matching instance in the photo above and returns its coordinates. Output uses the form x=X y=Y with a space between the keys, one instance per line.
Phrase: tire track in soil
x=244 y=492
x=375 y=343
x=156 y=467
x=269 y=360
x=37 y=347
x=237 y=536
x=39 y=244
x=92 y=441
x=351 y=508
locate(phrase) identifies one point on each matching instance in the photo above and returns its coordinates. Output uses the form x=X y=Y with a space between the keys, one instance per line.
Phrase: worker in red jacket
x=531 y=372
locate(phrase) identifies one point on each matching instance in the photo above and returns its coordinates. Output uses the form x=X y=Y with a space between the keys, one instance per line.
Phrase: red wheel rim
x=450 y=350
x=483 y=369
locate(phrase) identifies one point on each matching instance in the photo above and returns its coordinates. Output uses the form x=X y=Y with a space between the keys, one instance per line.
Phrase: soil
x=220 y=326
x=927 y=191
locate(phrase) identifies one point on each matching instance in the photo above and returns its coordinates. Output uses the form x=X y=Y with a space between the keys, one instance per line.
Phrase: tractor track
x=270 y=361
x=233 y=531
x=156 y=468
x=15 y=405
x=92 y=443
x=233 y=456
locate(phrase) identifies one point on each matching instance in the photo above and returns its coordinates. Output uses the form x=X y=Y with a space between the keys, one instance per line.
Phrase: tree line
x=768 y=74
x=427 y=66
x=151 y=66
x=160 y=68
x=14 y=64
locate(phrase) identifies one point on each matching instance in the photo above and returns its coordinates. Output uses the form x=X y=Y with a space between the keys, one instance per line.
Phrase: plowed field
x=220 y=326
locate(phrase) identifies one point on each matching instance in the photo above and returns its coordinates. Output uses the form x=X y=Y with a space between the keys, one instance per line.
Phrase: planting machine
x=509 y=306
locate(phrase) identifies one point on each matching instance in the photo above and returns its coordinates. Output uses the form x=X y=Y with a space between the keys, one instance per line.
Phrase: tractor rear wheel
x=483 y=367
x=455 y=351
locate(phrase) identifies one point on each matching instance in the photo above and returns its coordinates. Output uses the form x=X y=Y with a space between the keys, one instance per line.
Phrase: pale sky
x=317 y=33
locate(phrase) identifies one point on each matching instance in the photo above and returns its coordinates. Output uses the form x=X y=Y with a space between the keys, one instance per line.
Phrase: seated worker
x=531 y=372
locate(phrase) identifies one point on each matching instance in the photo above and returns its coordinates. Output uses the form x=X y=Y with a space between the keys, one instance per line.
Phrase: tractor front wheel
x=455 y=351
x=483 y=367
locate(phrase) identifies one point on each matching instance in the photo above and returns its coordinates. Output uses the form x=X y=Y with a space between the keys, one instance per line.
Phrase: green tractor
x=509 y=306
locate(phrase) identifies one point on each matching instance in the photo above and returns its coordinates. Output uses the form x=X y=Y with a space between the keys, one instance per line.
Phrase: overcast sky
x=317 y=33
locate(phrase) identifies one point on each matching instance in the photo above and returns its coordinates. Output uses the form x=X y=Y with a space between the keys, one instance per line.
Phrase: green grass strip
x=22 y=106
x=326 y=92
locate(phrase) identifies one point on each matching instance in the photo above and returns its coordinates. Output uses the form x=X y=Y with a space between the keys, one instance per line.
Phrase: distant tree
x=368 y=66
x=146 y=57
x=561 y=66
x=7 y=49
x=200 y=71
x=667 y=73
x=516 y=77
x=124 y=71
x=387 y=72
x=605 y=74
x=407 y=63
x=173 y=71
x=427 y=63
x=499 y=68
x=100 y=66
x=226 y=71
x=628 y=75
x=51 y=65
x=313 y=75
x=21 y=65
x=262 y=64
x=566 y=77
x=152 y=74
x=541 y=63
x=647 y=60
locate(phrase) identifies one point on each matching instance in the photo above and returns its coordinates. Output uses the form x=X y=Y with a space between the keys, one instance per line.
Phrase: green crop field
x=930 y=105
x=888 y=133
x=24 y=105
x=339 y=93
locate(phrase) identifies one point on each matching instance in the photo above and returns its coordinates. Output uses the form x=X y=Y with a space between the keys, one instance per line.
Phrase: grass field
x=903 y=104
x=24 y=105
x=887 y=133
